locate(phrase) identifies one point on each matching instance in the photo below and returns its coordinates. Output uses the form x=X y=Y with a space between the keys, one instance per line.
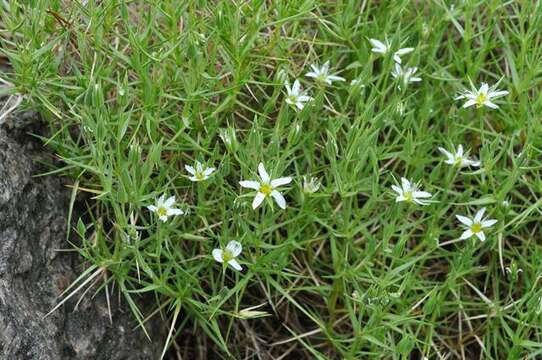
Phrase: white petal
x=404 y=51
x=311 y=74
x=491 y=105
x=495 y=94
x=400 y=198
x=169 y=202
x=488 y=223
x=459 y=97
x=446 y=152
x=250 y=184
x=263 y=174
x=397 y=71
x=397 y=189
x=471 y=95
x=234 y=247
x=484 y=88
x=281 y=181
x=160 y=200
x=466 y=234
x=163 y=218
x=288 y=90
x=208 y=171
x=296 y=87
x=258 y=199
x=218 y=255
x=336 y=78
x=459 y=152
x=421 y=194
x=378 y=44
x=152 y=208
x=415 y=79
x=479 y=215
x=469 y=103
x=420 y=202
x=464 y=220
x=190 y=169
x=194 y=179
x=199 y=167
x=175 y=212
x=405 y=184
x=279 y=199
x=480 y=235
x=234 y=264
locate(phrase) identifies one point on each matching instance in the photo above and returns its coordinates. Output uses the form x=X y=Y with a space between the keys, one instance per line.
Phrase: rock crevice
x=33 y=273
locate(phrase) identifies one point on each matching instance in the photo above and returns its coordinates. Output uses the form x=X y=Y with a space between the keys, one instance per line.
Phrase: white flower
x=164 y=208
x=381 y=48
x=295 y=96
x=228 y=255
x=266 y=187
x=476 y=225
x=310 y=184
x=406 y=76
x=459 y=159
x=482 y=96
x=410 y=192
x=322 y=74
x=199 y=173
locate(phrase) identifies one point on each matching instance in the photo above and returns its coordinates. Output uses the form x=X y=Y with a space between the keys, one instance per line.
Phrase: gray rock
x=33 y=273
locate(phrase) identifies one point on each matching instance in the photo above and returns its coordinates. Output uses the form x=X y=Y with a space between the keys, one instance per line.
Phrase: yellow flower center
x=481 y=99
x=162 y=211
x=266 y=189
x=458 y=160
x=227 y=255
x=322 y=78
x=408 y=195
x=199 y=175
x=476 y=228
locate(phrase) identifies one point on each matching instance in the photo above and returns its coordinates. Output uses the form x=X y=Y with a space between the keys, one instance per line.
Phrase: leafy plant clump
x=329 y=180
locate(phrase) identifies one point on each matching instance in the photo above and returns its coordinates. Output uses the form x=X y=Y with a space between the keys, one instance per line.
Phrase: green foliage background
x=133 y=90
